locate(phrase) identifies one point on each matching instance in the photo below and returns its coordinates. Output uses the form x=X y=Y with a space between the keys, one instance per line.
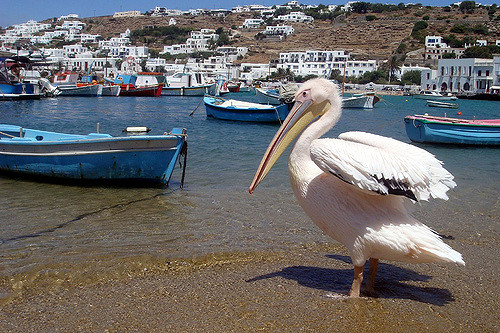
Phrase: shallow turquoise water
x=44 y=224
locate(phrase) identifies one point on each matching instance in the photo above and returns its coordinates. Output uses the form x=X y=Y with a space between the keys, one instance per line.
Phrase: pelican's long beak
x=299 y=117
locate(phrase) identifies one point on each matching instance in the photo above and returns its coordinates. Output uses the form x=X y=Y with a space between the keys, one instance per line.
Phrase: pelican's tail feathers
x=444 y=254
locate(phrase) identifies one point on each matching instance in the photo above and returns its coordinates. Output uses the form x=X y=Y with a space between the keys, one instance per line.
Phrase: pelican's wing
x=383 y=165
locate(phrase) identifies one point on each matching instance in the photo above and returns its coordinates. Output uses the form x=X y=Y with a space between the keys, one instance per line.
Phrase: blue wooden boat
x=429 y=129
x=92 y=157
x=232 y=109
x=268 y=96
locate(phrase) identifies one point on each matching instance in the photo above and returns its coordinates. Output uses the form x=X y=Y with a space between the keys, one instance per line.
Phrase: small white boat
x=434 y=95
x=187 y=84
x=361 y=101
x=86 y=90
x=110 y=90
x=437 y=104
x=268 y=96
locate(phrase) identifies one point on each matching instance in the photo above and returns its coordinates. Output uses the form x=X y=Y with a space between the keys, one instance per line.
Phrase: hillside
x=374 y=39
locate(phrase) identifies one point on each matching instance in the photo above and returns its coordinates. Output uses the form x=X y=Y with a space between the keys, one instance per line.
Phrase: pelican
x=356 y=188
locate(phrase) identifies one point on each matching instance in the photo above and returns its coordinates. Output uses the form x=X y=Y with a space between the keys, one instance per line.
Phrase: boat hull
x=444 y=105
x=153 y=91
x=435 y=97
x=94 y=157
x=111 y=90
x=360 y=102
x=420 y=129
x=266 y=98
x=82 y=91
x=188 y=91
x=263 y=114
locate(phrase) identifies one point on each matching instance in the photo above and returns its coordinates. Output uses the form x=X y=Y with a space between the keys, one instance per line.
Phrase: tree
x=411 y=77
x=336 y=75
x=467 y=6
x=393 y=65
x=360 y=7
x=481 y=51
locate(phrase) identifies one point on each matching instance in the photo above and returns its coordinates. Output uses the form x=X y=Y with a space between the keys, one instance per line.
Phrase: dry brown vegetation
x=376 y=39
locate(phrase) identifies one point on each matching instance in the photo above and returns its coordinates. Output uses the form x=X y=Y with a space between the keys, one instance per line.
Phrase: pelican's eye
x=304 y=94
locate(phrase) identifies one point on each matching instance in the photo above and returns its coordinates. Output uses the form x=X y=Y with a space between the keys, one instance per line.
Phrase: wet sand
x=301 y=289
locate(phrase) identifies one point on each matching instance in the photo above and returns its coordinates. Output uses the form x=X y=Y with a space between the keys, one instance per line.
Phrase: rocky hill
x=366 y=36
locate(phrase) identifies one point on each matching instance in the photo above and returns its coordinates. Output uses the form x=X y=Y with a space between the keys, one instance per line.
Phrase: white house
x=296 y=17
x=435 y=48
x=67 y=17
x=404 y=69
x=130 y=13
x=163 y=11
x=198 y=41
x=252 y=23
x=71 y=25
x=461 y=75
x=281 y=30
x=324 y=63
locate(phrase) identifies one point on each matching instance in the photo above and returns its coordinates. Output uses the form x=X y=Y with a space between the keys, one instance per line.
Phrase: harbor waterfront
x=211 y=256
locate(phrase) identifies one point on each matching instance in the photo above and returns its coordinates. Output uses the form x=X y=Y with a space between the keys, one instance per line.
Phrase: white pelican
x=355 y=188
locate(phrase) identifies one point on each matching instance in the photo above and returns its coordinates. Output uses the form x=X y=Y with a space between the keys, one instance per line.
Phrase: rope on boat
x=196 y=108
x=8 y=135
x=277 y=114
x=184 y=152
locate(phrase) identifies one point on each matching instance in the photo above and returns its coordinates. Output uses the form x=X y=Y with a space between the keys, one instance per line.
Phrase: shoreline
x=298 y=289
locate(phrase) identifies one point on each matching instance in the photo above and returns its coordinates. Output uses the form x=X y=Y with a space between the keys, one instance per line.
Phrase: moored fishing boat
x=188 y=84
x=92 y=157
x=128 y=87
x=231 y=109
x=445 y=105
x=15 y=90
x=434 y=95
x=110 y=90
x=430 y=129
x=267 y=96
x=362 y=101
x=67 y=83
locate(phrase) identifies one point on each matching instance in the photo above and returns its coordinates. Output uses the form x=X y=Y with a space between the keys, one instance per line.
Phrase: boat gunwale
x=451 y=121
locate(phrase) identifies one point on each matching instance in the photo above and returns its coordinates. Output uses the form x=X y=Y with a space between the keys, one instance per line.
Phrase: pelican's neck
x=300 y=150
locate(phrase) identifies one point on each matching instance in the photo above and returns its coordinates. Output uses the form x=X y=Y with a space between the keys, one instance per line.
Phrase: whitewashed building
x=198 y=41
x=405 y=69
x=473 y=75
x=130 y=13
x=323 y=63
x=296 y=17
x=252 y=23
x=164 y=11
x=71 y=25
x=255 y=71
x=68 y=17
x=279 y=30
x=435 y=48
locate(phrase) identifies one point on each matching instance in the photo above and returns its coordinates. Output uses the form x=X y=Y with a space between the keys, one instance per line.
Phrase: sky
x=16 y=12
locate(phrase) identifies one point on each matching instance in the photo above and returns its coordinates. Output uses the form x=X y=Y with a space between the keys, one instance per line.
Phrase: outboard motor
x=47 y=88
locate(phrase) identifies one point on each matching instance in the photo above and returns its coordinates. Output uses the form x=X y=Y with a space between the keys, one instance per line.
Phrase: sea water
x=51 y=229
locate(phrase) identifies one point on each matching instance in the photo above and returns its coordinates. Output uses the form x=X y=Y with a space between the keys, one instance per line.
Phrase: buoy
x=459 y=113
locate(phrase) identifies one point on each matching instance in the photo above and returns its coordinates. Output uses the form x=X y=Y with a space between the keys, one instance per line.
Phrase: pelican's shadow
x=390 y=281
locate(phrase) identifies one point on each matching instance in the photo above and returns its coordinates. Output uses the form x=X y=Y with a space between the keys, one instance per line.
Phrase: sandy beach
x=298 y=290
